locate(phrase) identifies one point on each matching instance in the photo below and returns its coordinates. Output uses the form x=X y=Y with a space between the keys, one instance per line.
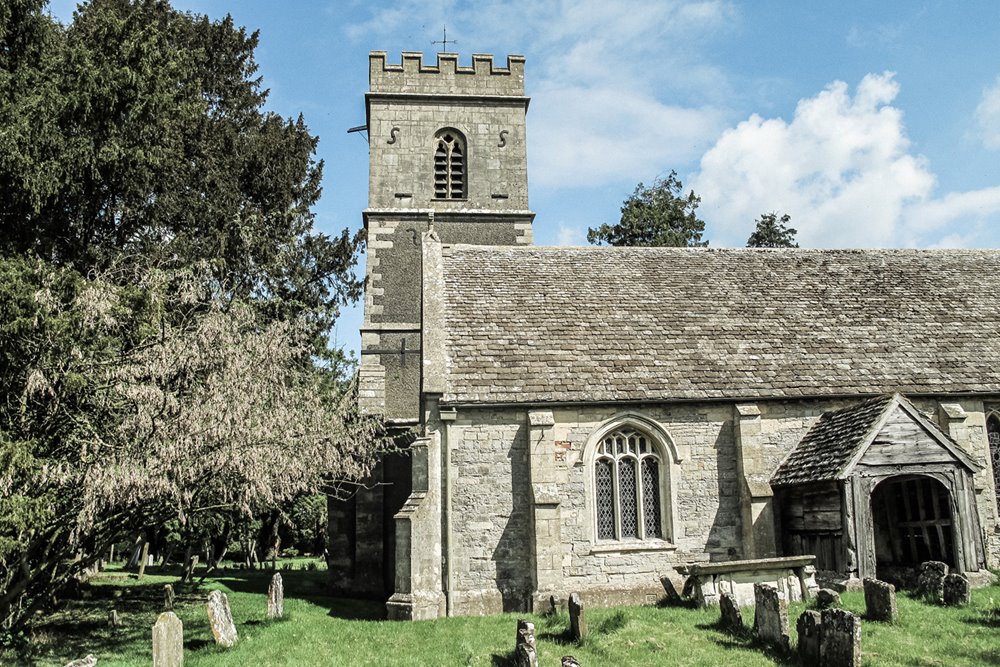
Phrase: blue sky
x=873 y=124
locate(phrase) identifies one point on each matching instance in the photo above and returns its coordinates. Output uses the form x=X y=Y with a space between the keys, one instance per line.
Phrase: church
x=589 y=419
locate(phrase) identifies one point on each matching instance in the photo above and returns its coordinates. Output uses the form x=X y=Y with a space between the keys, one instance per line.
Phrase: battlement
x=446 y=77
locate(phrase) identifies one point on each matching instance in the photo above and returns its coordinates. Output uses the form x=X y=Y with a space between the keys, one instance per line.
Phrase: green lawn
x=321 y=630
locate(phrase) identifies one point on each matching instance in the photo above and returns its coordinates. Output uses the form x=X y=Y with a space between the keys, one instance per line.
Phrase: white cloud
x=843 y=170
x=570 y=235
x=604 y=75
x=988 y=116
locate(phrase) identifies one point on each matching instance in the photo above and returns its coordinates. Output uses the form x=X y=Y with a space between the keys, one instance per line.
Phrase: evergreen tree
x=772 y=232
x=658 y=215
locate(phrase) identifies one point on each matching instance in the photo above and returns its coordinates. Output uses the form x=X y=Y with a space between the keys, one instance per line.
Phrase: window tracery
x=993 y=435
x=449 y=165
x=628 y=487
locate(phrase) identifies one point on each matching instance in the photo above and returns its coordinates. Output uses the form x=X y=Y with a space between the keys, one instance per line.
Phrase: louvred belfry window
x=449 y=165
x=628 y=487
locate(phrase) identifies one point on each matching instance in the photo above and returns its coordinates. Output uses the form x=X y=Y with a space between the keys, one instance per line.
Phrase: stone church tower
x=447 y=153
x=448 y=159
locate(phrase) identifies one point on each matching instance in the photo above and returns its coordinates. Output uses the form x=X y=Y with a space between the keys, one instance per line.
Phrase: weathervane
x=444 y=41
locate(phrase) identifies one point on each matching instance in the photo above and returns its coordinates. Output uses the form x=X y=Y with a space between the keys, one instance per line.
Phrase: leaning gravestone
x=731 y=618
x=826 y=598
x=957 y=592
x=276 y=597
x=880 y=601
x=221 y=620
x=577 y=619
x=89 y=661
x=810 y=629
x=770 y=616
x=569 y=661
x=168 y=641
x=840 y=640
x=930 y=584
x=524 y=651
x=168 y=597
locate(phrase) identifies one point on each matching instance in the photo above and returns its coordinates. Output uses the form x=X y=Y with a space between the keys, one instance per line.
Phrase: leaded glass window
x=993 y=433
x=627 y=484
x=449 y=165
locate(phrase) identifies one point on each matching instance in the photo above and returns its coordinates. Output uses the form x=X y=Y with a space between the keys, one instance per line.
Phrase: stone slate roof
x=829 y=445
x=536 y=324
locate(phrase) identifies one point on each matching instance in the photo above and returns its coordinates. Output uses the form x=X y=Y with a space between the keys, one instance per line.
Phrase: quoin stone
x=731 y=618
x=276 y=597
x=168 y=597
x=220 y=618
x=930 y=584
x=810 y=631
x=525 y=654
x=880 y=601
x=840 y=644
x=577 y=618
x=956 y=590
x=770 y=616
x=168 y=641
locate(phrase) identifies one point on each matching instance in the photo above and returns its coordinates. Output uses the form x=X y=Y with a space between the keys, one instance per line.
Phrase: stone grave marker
x=89 y=661
x=957 y=592
x=671 y=589
x=113 y=620
x=930 y=583
x=276 y=597
x=569 y=661
x=168 y=641
x=840 y=641
x=731 y=618
x=770 y=616
x=577 y=619
x=810 y=629
x=524 y=651
x=168 y=597
x=826 y=598
x=221 y=620
x=880 y=601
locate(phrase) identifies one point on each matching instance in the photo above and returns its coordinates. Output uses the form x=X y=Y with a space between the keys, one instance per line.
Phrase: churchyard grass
x=321 y=630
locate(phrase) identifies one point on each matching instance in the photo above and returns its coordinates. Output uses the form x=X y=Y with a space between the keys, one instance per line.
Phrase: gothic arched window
x=628 y=487
x=993 y=434
x=449 y=165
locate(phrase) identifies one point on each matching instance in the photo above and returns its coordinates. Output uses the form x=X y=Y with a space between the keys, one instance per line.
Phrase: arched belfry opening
x=913 y=523
x=450 y=164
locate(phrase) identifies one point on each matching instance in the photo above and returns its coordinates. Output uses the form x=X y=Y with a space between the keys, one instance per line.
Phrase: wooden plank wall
x=812 y=524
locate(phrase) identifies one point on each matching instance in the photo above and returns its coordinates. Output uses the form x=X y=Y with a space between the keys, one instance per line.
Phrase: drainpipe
x=447 y=417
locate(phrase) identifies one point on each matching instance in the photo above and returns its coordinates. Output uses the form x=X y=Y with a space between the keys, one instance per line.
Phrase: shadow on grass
x=745 y=639
x=503 y=659
x=989 y=618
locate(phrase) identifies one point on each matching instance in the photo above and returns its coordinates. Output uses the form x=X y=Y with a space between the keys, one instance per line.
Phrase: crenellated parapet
x=446 y=77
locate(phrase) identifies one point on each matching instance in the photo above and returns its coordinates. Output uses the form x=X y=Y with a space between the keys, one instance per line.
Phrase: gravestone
x=221 y=620
x=957 y=592
x=113 y=620
x=770 y=616
x=577 y=619
x=880 y=601
x=930 y=584
x=810 y=630
x=168 y=597
x=569 y=661
x=524 y=651
x=826 y=598
x=671 y=589
x=89 y=661
x=731 y=618
x=276 y=597
x=168 y=641
x=840 y=639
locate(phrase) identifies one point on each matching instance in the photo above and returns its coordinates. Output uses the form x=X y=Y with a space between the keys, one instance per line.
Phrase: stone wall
x=494 y=544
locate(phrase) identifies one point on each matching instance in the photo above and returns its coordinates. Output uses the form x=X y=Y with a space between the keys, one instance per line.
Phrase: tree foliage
x=658 y=215
x=773 y=232
x=163 y=293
